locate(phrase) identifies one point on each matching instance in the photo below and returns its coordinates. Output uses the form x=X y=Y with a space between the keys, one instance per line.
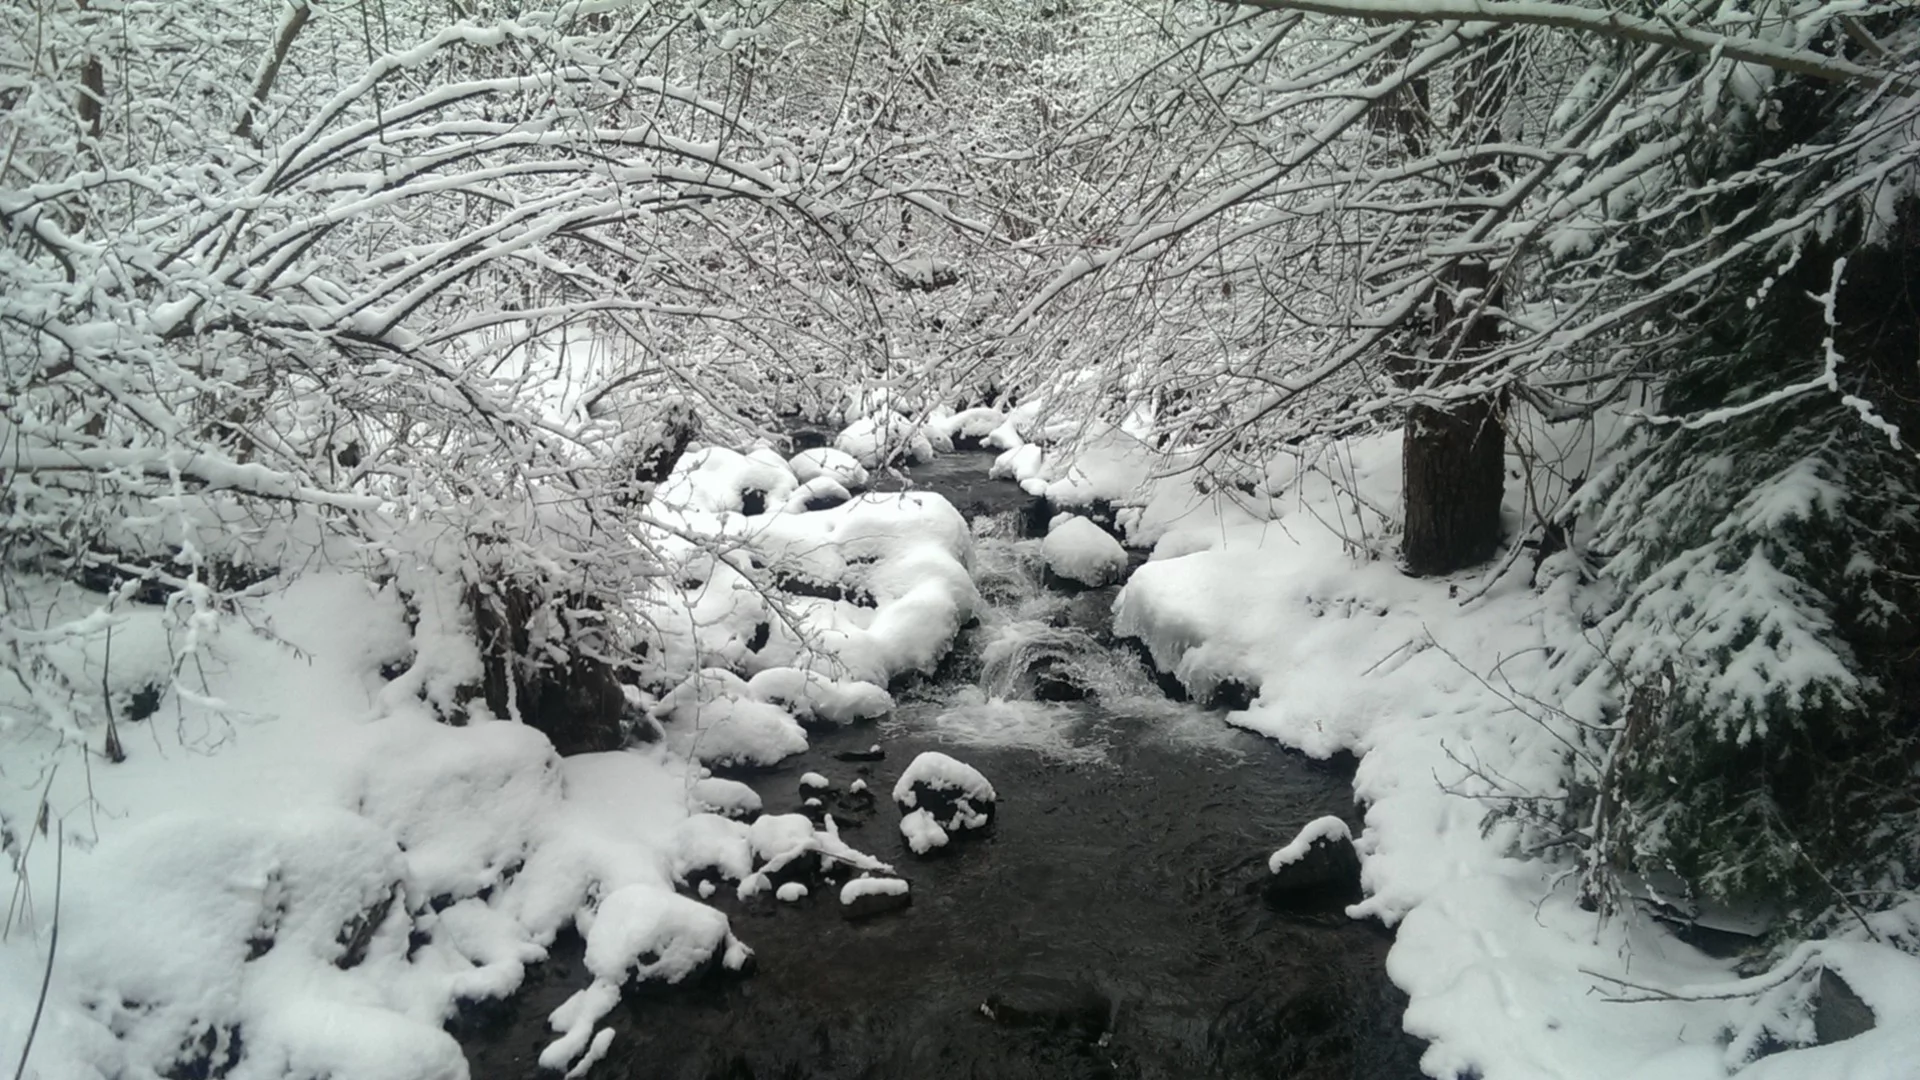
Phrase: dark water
x=1112 y=922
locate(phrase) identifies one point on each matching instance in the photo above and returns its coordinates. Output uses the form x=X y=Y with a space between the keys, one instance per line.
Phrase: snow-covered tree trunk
x=1454 y=453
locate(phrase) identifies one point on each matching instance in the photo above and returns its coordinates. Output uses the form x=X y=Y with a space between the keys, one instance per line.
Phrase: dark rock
x=357 y=935
x=795 y=585
x=762 y=633
x=1838 y=1012
x=1232 y=695
x=578 y=704
x=1067 y=1006
x=872 y=753
x=145 y=701
x=210 y=1055
x=753 y=501
x=810 y=439
x=1053 y=680
x=825 y=500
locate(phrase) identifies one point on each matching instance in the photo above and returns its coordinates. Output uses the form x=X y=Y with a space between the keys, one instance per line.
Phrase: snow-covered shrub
x=1765 y=648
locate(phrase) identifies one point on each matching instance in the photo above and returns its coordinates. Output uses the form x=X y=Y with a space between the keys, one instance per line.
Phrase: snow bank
x=299 y=869
x=715 y=718
x=1508 y=978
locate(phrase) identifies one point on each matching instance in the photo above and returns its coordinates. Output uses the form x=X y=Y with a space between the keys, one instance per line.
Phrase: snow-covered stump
x=940 y=799
x=1080 y=555
x=866 y=897
x=1318 y=865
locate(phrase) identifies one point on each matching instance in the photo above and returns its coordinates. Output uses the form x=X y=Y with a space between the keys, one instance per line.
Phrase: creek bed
x=1110 y=925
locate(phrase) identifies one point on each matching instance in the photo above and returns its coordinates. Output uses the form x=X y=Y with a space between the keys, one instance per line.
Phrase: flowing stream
x=1111 y=925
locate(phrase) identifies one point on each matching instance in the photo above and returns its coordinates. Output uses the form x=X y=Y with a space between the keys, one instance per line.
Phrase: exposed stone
x=1838 y=1012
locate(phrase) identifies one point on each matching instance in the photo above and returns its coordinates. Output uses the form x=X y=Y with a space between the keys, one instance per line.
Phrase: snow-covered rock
x=970 y=429
x=906 y=556
x=791 y=892
x=708 y=846
x=864 y=897
x=1080 y=552
x=718 y=480
x=728 y=798
x=643 y=933
x=1319 y=858
x=640 y=933
x=939 y=797
x=825 y=461
x=819 y=493
x=875 y=440
x=1022 y=463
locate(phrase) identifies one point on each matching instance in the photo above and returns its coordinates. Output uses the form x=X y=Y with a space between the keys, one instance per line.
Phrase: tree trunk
x=1454 y=473
x=1454 y=458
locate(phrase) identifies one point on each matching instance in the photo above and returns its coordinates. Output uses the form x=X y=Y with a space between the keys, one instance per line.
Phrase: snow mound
x=718 y=480
x=714 y=717
x=646 y=934
x=1080 y=551
x=877 y=440
x=810 y=695
x=907 y=555
x=728 y=798
x=819 y=493
x=825 y=461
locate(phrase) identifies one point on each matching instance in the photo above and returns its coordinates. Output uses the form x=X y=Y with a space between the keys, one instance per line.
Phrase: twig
x=53 y=944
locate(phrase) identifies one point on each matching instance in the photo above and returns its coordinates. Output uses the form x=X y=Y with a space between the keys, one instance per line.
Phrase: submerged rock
x=1068 y=1006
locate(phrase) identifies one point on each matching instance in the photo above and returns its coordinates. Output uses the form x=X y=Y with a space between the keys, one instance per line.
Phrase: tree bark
x=1454 y=457
x=1455 y=474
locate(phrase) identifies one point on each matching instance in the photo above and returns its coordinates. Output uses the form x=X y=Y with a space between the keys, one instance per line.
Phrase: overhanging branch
x=1611 y=24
